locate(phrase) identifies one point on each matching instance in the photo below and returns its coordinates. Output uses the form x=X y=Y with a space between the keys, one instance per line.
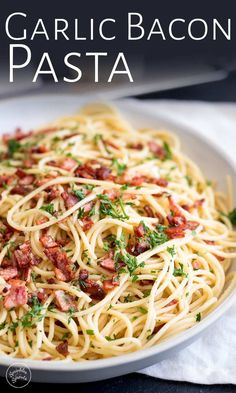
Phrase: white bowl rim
x=142 y=354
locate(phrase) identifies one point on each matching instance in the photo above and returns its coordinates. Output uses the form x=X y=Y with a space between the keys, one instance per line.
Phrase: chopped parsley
x=90 y=332
x=114 y=209
x=198 y=317
x=179 y=272
x=168 y=152
x=232 y=216
x=13 y=146
x=171 y=251
x=13 y=326
x=189 y=180
x=97 y=138
x=78 y=193
x=34 y=315
x=143 y=310
x=49 y=208
x=157 y=237
x=120 y=167
x=2 y=325
x=80 y=213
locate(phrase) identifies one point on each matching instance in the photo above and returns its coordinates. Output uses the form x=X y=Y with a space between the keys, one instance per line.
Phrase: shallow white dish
x=33 y=111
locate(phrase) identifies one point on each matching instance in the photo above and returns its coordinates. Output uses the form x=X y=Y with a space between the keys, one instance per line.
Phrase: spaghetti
x=111 y=239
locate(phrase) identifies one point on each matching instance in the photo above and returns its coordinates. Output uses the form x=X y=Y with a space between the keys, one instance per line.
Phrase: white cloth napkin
x=212 y=358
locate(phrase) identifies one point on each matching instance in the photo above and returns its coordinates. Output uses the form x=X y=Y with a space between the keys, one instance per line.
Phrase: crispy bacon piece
x=61 y=261
x=103 y=173
x=148 y=210
x=139 y=230
x=199 y=202
x=24 y=256
x=160 y=182
x=157 y=150
x=108 y=262
x=90 y=286
x=18 y=135
x=67 y=164
x=172 y=303
x=136 y=146
x=174 y=208
x=27 y=180
x=146 y=282
x=112 y=144
x=26 y=274
x=64 y=301
x=5 y=180
x=179 y=231
x=6 y=231
x=112 y=194
x=39 y=149
x=108 y=285
x=137 y=181
x=8 y=272
x=85 y=171
x=17 y=295
x=210 y=242
x=186 y=207
x=21 y=190
x=175 y=221
x=87 y=223
x=138 y=248
x=69 y=199
x=48 y=242
x=196 y=265
x=83 y=274
x=62 y=348
x=28 y=162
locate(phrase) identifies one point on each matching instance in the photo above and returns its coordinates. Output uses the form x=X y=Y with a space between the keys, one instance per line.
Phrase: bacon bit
x=160 y=182
x=146 y=282
x=52 y=193
x=42 y=295
x=6 y=230
x=5 y=180
x=87 y=223
x=157 y=328
x=90 y=286
x=69 y=199
x=26 y=274
x=62 y=348
x=18 y=135
x=28 y=163
x=64 y=301
x=137 y=181
x=51 y=280
x=179 y=231
x=47 y=130
x=175 y=221
x=199 y=202
x=136 y=146
x=24 y=256
x=27 y=180
x=108 y=285
x=70 y=136
x=8 y=272
x=83 y=274
x=112 y=144
x=61 y=261
x=220 y=259
x=88 y=207
x=210 y=242
x=21 y=190
x=196 y=265
x=174 y=208
x=108 y=262
x=68 y=164
x=20 y=173
x=149 y=211
x=192 y=225
x=47 y=241
x=172 y=303
x=139 y=230
x=103 y=173
x=186 y=207
x=45 y=180
x=41 y=221
x=17 y=295
x=127 y=197
x=60 y=276
x=139 y=248
x=39 y=149
x=157 y=150
x=85 y=171
x=112 y=194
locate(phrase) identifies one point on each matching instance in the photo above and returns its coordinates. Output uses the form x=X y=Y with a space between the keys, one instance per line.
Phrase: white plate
x=33 y=111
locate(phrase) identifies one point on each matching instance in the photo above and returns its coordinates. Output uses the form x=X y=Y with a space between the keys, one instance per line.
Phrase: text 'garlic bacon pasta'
x=111 y=239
